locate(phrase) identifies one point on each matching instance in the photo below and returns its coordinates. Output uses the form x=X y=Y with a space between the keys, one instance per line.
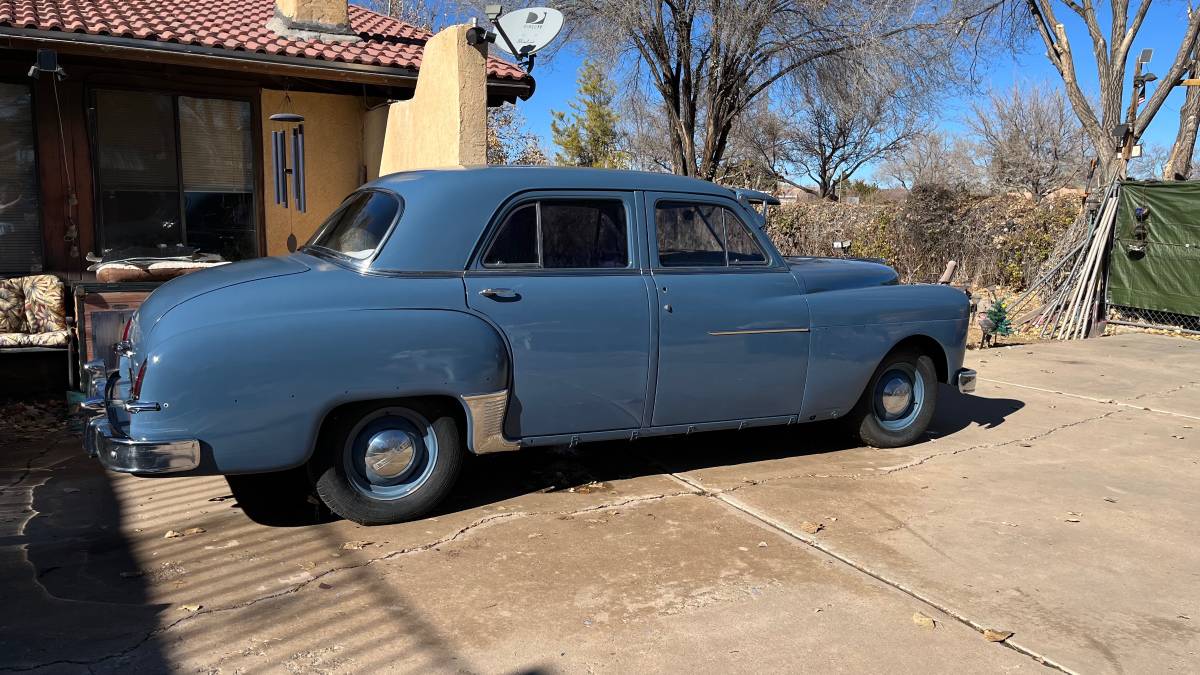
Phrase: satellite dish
x=529 y=29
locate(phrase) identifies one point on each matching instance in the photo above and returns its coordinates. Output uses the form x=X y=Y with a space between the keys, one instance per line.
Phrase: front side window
x=562 y=234
x=175 y=174
x=358 y=226
x=703 y=235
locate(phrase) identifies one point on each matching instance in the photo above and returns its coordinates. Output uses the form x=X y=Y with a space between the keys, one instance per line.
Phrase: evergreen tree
x=588 y=135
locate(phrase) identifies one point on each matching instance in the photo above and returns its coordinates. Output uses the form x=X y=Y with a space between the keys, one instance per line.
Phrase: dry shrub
x=1000 y=240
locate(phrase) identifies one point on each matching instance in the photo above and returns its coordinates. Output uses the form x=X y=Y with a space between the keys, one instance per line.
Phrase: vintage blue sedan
x=440 y=313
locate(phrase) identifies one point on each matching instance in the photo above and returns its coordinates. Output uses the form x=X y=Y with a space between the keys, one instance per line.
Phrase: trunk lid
x=184 y=288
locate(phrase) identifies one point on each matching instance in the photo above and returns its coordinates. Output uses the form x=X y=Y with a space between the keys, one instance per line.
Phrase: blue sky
x=1161 y=31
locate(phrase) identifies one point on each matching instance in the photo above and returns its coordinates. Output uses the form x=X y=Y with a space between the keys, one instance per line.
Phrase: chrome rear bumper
x=965 y=380
x=117 y=452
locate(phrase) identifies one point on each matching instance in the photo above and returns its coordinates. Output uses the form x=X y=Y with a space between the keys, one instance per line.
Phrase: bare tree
x=508 y=141
x=1029 y=139
x=708 y=60
x=1111 y=52
x=824 y=131
x=1152 y=164
x=933 y=158
x=1179 y=163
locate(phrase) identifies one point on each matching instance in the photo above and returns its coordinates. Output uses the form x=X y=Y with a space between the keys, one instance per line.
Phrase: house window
x=20 y=227
x=175 y=173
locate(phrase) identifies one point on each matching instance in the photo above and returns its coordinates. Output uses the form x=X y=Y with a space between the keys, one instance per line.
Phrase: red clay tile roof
x=238 y=25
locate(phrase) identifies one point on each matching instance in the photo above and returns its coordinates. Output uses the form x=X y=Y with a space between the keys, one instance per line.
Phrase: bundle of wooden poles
x=1071 y=288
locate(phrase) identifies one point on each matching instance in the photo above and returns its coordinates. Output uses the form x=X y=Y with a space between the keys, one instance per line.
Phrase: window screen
x=699 y=235
x=20 y=228
x=563 y=234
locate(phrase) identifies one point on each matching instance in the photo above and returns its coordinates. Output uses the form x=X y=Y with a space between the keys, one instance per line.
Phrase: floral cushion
x=12 y=307
x=44 y=308
x=56 y=338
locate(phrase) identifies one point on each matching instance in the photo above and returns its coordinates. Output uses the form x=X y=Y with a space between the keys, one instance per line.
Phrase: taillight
x=136 y=390
x=125 y=333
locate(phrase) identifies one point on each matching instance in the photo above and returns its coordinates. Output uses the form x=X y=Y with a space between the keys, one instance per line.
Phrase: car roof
x=446 y=210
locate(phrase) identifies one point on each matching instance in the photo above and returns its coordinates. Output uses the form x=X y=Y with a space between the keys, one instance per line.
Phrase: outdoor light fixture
x=1145 y=56
x=1149 y=77
x=47 y=62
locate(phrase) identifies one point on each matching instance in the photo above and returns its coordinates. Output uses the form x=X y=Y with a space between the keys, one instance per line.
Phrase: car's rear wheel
x=388 y=463
x=899 y=401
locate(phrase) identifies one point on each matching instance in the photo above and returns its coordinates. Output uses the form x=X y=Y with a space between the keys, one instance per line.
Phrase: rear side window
x=562 y=234
x=703 y=235
x=358 y=226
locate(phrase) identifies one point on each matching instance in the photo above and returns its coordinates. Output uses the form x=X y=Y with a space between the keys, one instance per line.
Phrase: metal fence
x=1152 y=318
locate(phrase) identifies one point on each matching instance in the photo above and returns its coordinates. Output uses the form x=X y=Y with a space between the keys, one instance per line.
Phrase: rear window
x=358 y=226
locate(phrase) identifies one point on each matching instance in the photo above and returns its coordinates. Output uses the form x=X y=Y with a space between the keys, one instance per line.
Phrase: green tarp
x=1167 y=277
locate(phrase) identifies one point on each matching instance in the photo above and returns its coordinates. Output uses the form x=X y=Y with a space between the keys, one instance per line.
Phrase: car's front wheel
x=899 y=401
x=389 y=463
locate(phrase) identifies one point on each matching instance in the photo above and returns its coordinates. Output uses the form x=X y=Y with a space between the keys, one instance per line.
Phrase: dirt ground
x=1059 y=504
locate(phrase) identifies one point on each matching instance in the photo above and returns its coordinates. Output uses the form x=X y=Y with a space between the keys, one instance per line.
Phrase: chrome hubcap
x=389 y=454
x=899 y=397
x=895 y=397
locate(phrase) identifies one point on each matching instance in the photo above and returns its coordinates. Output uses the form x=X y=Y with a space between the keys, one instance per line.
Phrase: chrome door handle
x=499 y=293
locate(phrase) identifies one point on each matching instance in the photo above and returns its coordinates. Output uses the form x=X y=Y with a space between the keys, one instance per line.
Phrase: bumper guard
x=965 y=380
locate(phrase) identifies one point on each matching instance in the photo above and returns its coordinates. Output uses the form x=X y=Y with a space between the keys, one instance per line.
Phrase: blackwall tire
x=388 y=463
x=898 y=403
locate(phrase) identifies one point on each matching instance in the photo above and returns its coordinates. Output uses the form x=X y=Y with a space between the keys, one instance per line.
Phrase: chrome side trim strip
x=759 y=331
x=487 y=422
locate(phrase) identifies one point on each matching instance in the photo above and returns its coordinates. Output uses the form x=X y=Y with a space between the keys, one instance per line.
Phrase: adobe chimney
x=326 y=20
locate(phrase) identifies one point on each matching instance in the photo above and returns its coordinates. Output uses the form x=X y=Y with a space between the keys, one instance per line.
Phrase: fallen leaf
x=324 y=586
x=193 y=530
x=1111 y=500
x=924 y=621
x=172 y=534
x=1072 y=520
x=762 y=544
x=993 y=635
x=811 y=527
x=190 y=608
x=743 y=548
x=355 y=545
x=1005 y=522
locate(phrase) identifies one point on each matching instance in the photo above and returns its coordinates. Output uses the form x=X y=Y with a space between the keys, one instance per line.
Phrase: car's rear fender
x=255 y=397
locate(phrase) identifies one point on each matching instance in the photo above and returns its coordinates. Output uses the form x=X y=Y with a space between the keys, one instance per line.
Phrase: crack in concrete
x=420 y=548
x=770 y=523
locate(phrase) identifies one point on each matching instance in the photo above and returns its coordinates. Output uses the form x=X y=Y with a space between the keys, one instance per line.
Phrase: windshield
x=358 y=226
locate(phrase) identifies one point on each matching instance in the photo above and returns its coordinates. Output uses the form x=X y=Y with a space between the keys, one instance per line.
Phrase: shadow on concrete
x=493 y=478
x=73 y=594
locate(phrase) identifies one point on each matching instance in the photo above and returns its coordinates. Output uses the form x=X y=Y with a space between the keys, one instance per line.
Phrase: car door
x=733 y=322
x=559 y=275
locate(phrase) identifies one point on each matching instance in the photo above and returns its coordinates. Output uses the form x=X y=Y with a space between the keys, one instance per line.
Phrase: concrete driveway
x=1061 y=503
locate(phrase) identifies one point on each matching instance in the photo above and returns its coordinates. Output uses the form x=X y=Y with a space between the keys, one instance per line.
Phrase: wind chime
x=279 y=152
